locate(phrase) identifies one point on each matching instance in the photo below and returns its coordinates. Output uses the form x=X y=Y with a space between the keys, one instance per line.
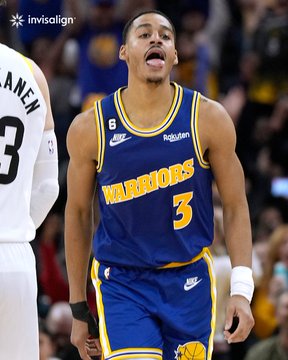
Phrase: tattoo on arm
x=204 y=99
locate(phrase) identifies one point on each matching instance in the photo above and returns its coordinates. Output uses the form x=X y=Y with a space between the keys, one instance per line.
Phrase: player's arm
x=219 y=141
x=45 y=187
x=81 y=182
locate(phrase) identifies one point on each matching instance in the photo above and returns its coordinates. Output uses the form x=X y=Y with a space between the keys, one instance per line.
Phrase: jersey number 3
x=183 y=209
x=12 y=130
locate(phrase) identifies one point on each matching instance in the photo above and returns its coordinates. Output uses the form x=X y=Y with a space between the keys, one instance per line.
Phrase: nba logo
x=50 y=147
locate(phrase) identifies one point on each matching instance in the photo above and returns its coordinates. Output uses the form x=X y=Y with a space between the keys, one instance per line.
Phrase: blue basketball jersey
x=154 y=186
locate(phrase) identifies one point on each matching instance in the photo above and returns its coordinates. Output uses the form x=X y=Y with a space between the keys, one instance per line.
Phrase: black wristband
x=81 y=311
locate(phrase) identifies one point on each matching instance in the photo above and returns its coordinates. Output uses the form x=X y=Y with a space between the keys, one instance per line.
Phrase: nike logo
x=191 y=283
x=118 y=139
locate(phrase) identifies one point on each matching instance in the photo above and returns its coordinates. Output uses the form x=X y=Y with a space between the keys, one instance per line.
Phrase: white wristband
x=242 y=282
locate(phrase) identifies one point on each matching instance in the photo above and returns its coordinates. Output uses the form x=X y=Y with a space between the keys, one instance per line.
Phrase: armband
x=81 y=311
x=242 y=282
x=45 y=187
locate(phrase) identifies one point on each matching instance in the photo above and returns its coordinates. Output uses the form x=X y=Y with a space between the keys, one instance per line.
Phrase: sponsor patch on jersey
x=176 y=137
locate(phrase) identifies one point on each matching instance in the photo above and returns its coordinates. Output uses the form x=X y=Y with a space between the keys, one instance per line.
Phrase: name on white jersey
x=20 y=88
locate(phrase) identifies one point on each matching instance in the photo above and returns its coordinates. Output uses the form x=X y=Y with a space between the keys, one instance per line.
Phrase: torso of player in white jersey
x=22 y=121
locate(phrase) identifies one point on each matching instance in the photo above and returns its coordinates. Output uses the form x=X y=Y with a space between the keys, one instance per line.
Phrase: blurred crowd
x=233 y=51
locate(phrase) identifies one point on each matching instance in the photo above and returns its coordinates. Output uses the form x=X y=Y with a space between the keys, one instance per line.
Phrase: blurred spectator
x=4 y=35
x=270 y=48
x=230 y=52
x=47 y=344
x=127 y=9
x=269 y=218
x=193 y=67
x=46 y=41
x=263 y=305
x=100 y=71
x=38 y=8
x=280 y=269
x=52 y=270
x=51 y=273
x=251 y=12
x=279 y=116
x=234 y=51
x=222 y=268
x=59 y=324
x=7 y=31
x=275 y=347
x=217 y=24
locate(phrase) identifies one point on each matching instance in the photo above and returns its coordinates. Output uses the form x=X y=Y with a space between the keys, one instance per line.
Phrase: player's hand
x=81 y=338
x=238 y=307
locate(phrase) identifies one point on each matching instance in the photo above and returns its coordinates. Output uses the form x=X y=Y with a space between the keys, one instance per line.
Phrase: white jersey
x=22 y=120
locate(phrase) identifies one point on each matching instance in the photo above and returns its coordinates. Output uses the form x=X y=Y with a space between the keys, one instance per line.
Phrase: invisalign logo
x=17 y=20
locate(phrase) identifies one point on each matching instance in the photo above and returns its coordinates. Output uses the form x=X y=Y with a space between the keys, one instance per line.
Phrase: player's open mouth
x=155 y=57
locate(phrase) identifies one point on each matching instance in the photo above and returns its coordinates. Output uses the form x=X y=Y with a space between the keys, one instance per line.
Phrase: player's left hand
x=86 y=345
x=238 y=307
x=93 y=347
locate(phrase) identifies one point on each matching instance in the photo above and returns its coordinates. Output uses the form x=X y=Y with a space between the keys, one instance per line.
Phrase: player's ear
x=122 y=53
x=176 y=58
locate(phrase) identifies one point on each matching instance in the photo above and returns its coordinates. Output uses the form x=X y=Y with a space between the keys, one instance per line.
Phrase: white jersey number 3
x=11 y=137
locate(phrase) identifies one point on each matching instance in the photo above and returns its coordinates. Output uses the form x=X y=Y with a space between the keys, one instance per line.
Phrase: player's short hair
x=129 y=23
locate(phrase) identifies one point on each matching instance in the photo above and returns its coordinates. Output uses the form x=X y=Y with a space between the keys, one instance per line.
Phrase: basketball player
x=28 y=189
x=153 y=149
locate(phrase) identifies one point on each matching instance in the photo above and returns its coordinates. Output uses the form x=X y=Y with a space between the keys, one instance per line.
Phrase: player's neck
x=147 y=105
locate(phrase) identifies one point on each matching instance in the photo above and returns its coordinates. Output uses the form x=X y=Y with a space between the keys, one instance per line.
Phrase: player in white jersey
x=28 y=189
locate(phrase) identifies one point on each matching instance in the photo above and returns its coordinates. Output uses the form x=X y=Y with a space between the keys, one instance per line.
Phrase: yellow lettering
x=119 y=192
x=176 y=174
x=163 y=177
x=131 y=187
x=188 y=167
x=154 y=181
x=144 y=184
x=147 y=183
x=109 y=194
x=183 y=209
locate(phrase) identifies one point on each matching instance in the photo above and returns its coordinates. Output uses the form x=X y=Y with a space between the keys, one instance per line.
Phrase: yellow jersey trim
x=135 y=353
x=137 y=356
x=177 y=100
x=208 y=258
x=179 y=264
x=28 y=62
x=100 y=134
x=194 y=130
x=104 y=340
x=125 y=353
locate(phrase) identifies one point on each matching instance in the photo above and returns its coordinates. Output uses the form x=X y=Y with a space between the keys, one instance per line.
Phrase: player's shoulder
x=82 y=135
x=212 y=108
x=83 y=122
x=83 y=128
x=215 y=124
x=214 y=115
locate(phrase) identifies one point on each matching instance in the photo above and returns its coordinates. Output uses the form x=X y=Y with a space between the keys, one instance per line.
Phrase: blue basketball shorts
x=156 y=313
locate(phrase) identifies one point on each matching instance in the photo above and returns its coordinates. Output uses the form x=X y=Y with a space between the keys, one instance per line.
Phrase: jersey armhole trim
x=209 y=261
x=105 y=343
x=195 y=132
x=28 y=62
x=100 y=134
